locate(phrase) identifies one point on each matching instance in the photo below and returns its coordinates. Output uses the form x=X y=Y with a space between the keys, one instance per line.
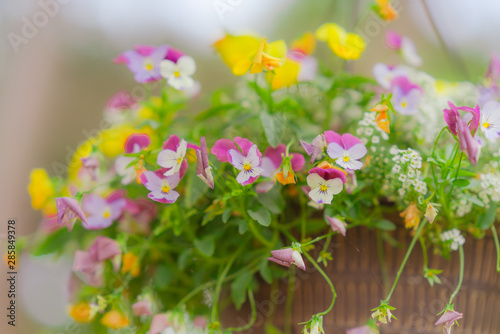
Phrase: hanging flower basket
x=282 y=187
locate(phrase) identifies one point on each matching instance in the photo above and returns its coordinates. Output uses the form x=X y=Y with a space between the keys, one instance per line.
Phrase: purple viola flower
x=144 y=61
x=308 y=65
x=315 y=148
x=271 y=163
x=493 y=71
x=68 y=210
x=345 y=149
x=336 y=224
x=161 y=187
x=90 y=263
x=448 y=319
x=246 y=158
x=406 y=95
x=91 y=165
x=384 y=74
x=287 y=257
x=102 y=211
x=404 y=45
x=136 y=142
x=203 y=169
x=465 y=128
x=490 y=120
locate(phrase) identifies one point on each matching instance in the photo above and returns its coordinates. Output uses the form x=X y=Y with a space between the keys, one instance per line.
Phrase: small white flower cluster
x=490 y=184
x=454 y=236
x=369 y=131
x=406 y=169
x=462 y=205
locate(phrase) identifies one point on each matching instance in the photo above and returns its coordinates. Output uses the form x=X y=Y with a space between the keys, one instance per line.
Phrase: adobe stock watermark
x=221 y=7
x=31 y=25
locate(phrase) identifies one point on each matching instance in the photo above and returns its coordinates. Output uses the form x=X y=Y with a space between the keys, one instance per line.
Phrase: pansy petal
x=357 y=151
x=186 y=65
x=335 y=151
x=314 y=180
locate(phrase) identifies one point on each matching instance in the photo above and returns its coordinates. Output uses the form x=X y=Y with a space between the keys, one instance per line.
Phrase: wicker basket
x=357 y=277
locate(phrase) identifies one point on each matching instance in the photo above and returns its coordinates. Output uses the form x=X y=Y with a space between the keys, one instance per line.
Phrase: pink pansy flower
x=137 y=216
x=271 y=163
x=287 y=257
x=385 y=73
x=135 y=143
x=490 y=120
x=405 y=45
x=102 y=211
x=246 y=158
x=178 y=74
x=406 y=95
x=68 y=210
x=121 y=100
x=336 y=224
x=161 y=187
x=142 y=307
x=464 y=128
x=91 y=165
x=315 y=148
x=172 y=158
x=144 y=61
x=159 y=324
x=448 y=320
x=203 y=169
x=324 y=184
x=173 y=154
x=360 y=330
x=90 y=263
x=345 y=149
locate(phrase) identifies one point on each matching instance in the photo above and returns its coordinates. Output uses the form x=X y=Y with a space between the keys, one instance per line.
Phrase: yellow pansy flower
x=81 y=312
x=344 y=44
x=41 y=191
x=305 y=43
x=130 y=263
x=284 y=76
x=249 y=53
x=115 y=319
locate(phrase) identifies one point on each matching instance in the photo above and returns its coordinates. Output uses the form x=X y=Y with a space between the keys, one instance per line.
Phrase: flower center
x=346 y=159
x=179 y=160
x=165 y=189
x=148 y=65
x=403 y=104
x=486 y=125
x=106 y=214
x=323 y=187
x=177 y=74
x=247 y=167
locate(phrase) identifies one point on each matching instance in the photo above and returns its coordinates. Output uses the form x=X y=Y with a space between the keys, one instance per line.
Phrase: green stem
x=318 y=239
x=218 y=286
x=424 y=252
x=497 y=245
x=407 y=255
x=325 y=276
x=456 y=175
x=257 y=235
x=254 y=314
x=381 y=257
x=461 y=277
x=289 y=300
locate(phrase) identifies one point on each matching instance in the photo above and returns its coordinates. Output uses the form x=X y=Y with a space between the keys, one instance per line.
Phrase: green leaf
x=486 y=219
x=52 y=243
x=217 y=111
x=262 y=216
x=205 y=245
x=184 y=258
x=265 y=271
x=163 y=276
x=239 y=288
x=273 y=127
x=272 y=200
x=466 y=173
x=242 y=226
x=385 y=225
x=461 y=183
x=225 y=215
x=270 y=329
